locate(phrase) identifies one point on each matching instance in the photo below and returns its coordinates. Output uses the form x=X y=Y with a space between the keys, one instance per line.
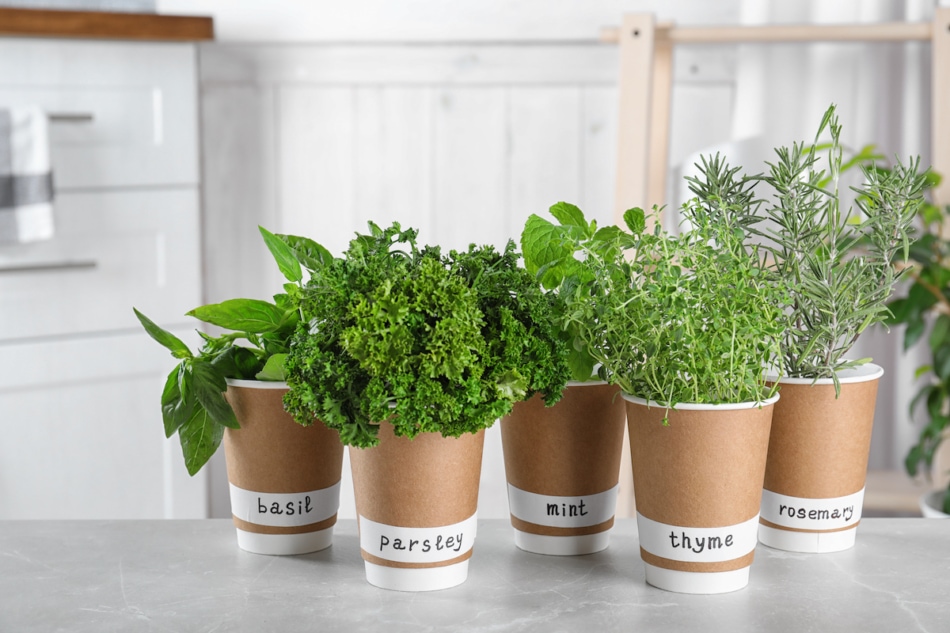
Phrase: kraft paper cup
x=563 y=469
x=818 y=458
x=698 y=483
x=416 y=503
x=284 y=478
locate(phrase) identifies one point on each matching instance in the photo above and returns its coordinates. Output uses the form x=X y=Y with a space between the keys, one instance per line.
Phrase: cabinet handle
x=43 y=267
x=70 y=117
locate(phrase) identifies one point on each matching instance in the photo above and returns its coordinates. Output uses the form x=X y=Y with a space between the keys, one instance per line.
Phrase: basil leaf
x=273 y=369
x=164 y=337
x=311 y=255
x=237 y=362
x=175 y=407
x=200 y=437
x=242 y=315
x=209 y=388
x=283 y=255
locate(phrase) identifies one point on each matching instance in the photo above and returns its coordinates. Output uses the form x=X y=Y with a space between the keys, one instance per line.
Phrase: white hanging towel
x=26 y=177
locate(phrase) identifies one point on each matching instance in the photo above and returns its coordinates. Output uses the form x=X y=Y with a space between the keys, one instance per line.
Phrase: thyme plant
x=836 y=262
x=672 y=319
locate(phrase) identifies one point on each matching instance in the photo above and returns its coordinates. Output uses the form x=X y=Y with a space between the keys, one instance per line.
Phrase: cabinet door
x=111 y=251
x=81 y=433
x=122 y=114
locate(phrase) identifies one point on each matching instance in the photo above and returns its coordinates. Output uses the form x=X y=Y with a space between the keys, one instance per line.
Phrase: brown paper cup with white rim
x=698 y=483
x=818 y=459
x=563 y=469
x=284 y=478
x=416 y=503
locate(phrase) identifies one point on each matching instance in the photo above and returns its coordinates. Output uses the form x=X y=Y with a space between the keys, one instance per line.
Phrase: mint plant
x=836 y=263
x=431 y=343
x=558 y=256
x=193 y=404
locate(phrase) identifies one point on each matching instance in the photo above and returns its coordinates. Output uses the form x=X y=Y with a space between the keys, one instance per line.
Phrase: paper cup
x=817 y=465
x=563 y=469
x=416 y=502
x=284 y=478
x=698 y=483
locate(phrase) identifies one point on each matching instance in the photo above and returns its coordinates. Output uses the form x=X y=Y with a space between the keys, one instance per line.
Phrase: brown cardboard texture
x=272 y=453
x=704 y=469
x=819 y=445
x=570 y=449
x=428 y=481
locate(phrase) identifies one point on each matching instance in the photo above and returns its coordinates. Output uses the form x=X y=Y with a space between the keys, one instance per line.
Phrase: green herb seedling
x=562 y=256
x=836 y=263
x=193 y=404
x=431 y=343
x=670 y=318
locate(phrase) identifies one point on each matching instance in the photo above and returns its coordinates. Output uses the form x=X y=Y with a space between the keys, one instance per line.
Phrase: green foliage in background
x=927 y=302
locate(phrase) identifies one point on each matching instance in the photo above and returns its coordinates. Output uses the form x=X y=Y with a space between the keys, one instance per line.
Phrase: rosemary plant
x=836 y=262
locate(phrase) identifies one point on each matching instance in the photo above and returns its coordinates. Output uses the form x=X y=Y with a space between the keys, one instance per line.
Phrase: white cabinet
x=122 y=114
x=80 y=422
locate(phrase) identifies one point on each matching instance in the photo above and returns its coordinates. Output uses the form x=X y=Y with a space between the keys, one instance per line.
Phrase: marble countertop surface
x=103 y=576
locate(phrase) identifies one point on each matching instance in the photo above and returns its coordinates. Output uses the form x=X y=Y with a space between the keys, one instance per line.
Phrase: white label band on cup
x=563 y=512
x=285 y=509
x=417 y=544
x=698 y=545
x=812 y=514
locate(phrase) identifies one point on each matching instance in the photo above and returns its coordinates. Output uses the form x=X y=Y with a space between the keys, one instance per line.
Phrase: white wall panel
x=393 y=161
x=598 y=152
x=547 y=152
x=316 y=163
x=239 y=189
x=470 y=167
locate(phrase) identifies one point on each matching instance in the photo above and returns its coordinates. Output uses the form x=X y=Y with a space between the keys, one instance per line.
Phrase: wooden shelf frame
x=646 y=80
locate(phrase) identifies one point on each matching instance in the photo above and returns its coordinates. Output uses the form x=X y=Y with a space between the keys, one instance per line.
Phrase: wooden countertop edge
x=103 y=25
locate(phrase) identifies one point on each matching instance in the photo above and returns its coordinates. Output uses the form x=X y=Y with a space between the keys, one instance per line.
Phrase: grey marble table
x=190 y=576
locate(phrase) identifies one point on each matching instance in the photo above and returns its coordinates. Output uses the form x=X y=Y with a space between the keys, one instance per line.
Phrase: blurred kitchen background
x=312 y=118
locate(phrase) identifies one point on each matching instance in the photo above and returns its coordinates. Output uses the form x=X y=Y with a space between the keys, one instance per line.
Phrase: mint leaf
x=209 y=388
x=570 y=215
x=283 y=254
x=163 y=337
x=273 y=369
x=200 y=437
x=311 y=255
x=543 y=244
x=580 y=361
x=242 y=315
